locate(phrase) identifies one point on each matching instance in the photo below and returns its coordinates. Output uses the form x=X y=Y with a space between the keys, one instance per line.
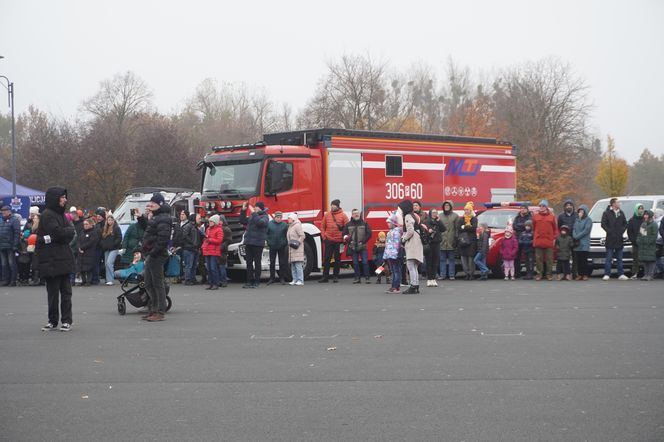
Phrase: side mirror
x=274 y=178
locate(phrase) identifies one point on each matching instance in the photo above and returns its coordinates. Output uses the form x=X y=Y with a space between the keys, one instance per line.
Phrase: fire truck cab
x=302 y=171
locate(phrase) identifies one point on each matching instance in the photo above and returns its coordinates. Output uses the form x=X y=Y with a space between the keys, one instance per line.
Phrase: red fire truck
x=302 y=171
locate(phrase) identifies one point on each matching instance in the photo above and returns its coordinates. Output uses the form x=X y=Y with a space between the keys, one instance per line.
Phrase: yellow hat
x=469 y=205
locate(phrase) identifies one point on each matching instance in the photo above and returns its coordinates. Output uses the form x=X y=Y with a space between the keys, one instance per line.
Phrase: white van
x=598 y=235
x=177 y=198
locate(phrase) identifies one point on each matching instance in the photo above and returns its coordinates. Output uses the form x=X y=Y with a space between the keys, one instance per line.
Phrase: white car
x=598 y=235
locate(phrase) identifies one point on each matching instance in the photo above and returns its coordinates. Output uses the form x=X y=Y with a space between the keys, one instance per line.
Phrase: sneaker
x=451 y=278
x=291 y=283
x=606 y=278
x=49 y=327
x=513 y=278
x=109 y=283
x=299 y=283
x=65 y=327
x=434 y=283
x=623 y=278
x=507 y=278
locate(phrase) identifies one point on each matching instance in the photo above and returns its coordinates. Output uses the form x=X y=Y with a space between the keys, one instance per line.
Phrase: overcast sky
x=57 y=52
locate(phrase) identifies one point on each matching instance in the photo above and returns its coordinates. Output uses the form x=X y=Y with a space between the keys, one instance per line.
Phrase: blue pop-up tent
x=26 y=197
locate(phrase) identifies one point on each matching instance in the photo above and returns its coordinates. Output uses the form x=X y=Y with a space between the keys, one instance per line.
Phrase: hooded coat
x=158 y=233
x=132 y=240
x=568 y=219
x=581 y=231
x=56 y=258
x=256 y=225
x=614 y=224
x=509 y=248
x=449 y=220
x=634 y=224
x=214 y=236
x=411 y=239
x=295 y=232
x=545 y=228
x=88 y=241
x=647 y=240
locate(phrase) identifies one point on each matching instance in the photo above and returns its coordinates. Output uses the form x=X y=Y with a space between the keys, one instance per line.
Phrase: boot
x=484 y=277
x=410 y=290
x=387 y=280
x=282 y=281
x=378 y=280
x=367 y=280
x=356 y=281
x=270 y=281
x=324 y=279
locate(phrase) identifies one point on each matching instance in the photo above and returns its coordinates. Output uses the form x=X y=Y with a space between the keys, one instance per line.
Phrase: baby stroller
x=136 y=295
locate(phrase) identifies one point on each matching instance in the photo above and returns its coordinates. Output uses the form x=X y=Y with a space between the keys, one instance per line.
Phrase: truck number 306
x=399 y=191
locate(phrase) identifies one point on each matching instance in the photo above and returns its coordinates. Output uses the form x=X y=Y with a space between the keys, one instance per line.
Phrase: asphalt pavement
x=467 y=361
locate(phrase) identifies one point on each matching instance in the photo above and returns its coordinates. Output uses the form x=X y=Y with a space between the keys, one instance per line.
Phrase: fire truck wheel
x=308 y=259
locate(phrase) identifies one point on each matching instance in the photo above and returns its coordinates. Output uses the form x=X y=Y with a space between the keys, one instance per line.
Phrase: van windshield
x=627 y=206
x=231 y=178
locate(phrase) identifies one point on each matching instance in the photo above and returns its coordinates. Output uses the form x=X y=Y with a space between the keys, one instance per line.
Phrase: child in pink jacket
x=509 y=247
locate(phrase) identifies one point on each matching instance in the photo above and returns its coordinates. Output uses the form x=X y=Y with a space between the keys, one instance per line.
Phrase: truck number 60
x=399 y=191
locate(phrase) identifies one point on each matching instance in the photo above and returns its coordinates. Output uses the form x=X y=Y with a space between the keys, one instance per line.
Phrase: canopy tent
x=26 y=197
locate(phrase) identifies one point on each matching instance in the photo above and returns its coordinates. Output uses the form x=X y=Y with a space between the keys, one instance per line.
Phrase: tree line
x=120 y=140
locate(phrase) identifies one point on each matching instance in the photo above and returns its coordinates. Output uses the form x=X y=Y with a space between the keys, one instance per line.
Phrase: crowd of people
x=60 y=248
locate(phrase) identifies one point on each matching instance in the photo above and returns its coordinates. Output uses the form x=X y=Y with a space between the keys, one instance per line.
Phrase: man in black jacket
x=568 y=218
x=55 y=258
x=633 y=227
x=356 y=234
x=191 y=243
x=155 y=249
x=614 y=224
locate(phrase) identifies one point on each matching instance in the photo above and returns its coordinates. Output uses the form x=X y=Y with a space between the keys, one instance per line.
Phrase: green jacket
x=132 y=240
x=450 y=235
x=276 y=234
x=647 y=241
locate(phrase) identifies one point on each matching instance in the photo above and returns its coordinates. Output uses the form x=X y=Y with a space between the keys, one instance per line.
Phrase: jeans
x=58 y=288
x=361 y=254
x=109 y=261
x=610 y=254
x=9 y=268
x=395 y=269
x=447 y=262
x=223 y=276
x=297 y=270
x=155 y=284
x=331 y=249
x=282 y=254
x=190 y=264
x=254 y=256
x=480 y=262
x=213 y=270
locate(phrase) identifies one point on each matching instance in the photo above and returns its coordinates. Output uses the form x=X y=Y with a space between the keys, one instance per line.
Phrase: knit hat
x=381 y=236
x=393 y=219
x=469 y=205
x=544 y=203
x=509 y=228
x=158 y=198
x=79 y=212
x=336 y=203
x=214 y=219
x=564 y=227
x=292 y=216
x=278 y=213
x=523 y=205
x=34 y=209
x=100 y=211
x=260 y=205
x=528 y=223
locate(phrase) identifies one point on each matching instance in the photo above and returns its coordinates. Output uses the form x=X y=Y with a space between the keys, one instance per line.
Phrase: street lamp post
x=10 y=91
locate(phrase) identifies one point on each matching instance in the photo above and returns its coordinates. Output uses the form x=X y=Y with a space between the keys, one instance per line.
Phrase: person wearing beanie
x=545 y=231
x=332 y=227
x=467 y=239
x=190 y=243
x=509 y=248
x=255 y=236
x=10 y=233
x=647 y=242
x=34 y=210
x=378 y=260
x=155 y=249
x=518 y=224
x=214 y=236
x=278 y=245
x=447 y=267
x=295 y=240
x=55 y=259
x=392 y=253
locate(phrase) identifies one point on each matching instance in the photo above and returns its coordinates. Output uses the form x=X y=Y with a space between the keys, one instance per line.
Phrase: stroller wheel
x=122 y=307
x=169 y=303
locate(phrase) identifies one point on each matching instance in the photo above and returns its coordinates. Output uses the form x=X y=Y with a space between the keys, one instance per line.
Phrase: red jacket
x=545 y=229
x=330 y=230
x=214 y=236
x=509 y=248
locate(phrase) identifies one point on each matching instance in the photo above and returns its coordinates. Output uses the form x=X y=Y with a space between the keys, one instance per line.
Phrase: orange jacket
x=333 y=224
x=545 y=228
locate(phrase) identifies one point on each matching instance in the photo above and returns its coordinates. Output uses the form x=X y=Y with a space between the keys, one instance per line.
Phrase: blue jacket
x=581 y=231
x=256 y=228
x=10 y=232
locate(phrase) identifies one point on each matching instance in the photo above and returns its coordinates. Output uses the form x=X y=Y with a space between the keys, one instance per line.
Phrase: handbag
x=294 y=244
x=172 y=266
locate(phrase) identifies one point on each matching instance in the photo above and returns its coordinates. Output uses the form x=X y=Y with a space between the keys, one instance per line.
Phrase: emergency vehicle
x=302 y=171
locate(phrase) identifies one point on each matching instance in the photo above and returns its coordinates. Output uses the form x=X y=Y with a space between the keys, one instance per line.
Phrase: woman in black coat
x=87 y=251
x=467 y=240
x=55 y=258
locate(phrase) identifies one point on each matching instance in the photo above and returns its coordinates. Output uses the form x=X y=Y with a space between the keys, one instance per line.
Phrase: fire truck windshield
x=232 y=178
